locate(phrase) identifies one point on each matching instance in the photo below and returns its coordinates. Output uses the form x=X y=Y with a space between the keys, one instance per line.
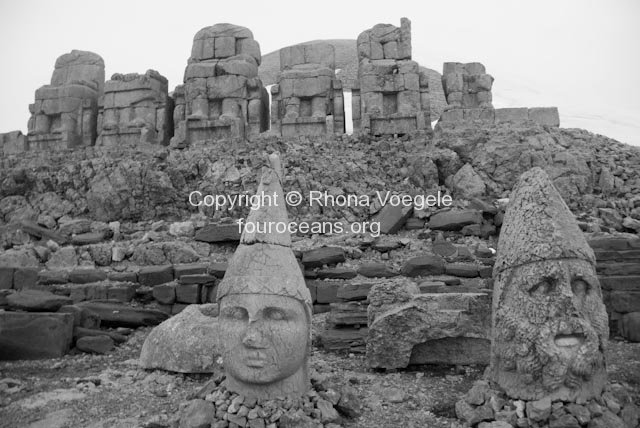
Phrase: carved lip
x=569 y=340
x=255 y=361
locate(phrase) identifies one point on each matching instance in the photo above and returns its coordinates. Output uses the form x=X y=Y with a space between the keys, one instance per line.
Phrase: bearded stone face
x=550 y=331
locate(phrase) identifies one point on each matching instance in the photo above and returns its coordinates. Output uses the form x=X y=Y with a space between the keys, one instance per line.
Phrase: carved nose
x=253 y=337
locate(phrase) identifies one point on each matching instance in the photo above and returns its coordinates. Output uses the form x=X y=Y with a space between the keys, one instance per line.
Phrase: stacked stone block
x=222 y=96
x=391 y=95
x=308 y=98
x=65 y=112
x=135 y=108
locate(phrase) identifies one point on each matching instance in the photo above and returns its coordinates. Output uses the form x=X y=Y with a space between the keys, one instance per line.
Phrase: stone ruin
x=467 y=88
x=392 y=94
x=65 y=113
x=308 y=98
x=222 y=96
x=136 y=108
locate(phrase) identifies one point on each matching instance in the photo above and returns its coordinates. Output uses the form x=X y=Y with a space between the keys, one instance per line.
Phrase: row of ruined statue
x=223 y=97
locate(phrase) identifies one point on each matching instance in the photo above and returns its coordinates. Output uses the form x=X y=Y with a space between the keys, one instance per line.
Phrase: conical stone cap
x=538 y=225
x=264 y=262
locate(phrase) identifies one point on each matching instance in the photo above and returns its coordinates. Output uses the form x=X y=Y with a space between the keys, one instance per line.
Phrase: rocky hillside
x=596 y=175
x=347 y=63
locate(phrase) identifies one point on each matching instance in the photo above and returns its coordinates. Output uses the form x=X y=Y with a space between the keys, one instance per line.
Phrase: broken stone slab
x=452 y=327
x=116 y=314
x=154 y=275
x=319 y=257
x=376 y=270
x=30 y=336
x=188 y=293
x=37 y=301
x=454 y=219
x=392 y=218
x=327 y=291
x=84 y=332
x=48 y=277
x=6 y=277
x=165 y=293
x=343 y=339
x=186 y=343
x=40 y=232
x=25 y=278
x=95 y=344
x=86 y=275
x=82 y=317
x=465 y=270
x=629 y=326
x=88 y=238
x=423 y=265
x=355 y=291
x=218 y=269
x=189 y=269
x=348 y=314
x=336 y=273
x=218 y=232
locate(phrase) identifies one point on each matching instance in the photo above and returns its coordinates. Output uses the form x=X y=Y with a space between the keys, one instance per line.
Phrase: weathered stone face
x=549 y=322
x=551 y=330
x=265 y=341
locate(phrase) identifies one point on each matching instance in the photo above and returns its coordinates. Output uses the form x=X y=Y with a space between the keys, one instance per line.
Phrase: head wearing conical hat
x=264 y=262
x=538 y=226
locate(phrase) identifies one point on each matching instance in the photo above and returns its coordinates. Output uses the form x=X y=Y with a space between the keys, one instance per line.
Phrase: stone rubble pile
x=321 y=406
x=485 y=405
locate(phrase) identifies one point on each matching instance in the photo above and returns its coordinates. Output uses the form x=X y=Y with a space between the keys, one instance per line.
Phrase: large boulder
x=185 y=343
x=406 y=327
x=30 y=336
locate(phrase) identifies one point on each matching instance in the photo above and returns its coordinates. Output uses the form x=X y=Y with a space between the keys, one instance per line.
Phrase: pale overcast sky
x=580 y=55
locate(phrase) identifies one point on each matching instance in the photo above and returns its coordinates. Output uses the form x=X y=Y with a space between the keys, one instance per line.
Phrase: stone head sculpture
x=550 y=325
x=265 y=306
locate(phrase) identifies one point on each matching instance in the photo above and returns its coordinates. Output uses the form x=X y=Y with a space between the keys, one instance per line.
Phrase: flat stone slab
x=85 y=276
x=154 y=275
x=228 y=232
x=423 y=265
x=37 y=301
x=336 y=273
x=30 y=336
x=114 y=314
x=323 y=256
x=376 y=270
x=454 y=219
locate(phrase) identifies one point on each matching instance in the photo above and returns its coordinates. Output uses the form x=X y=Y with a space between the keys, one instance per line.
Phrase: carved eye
x=236 y=313
x=580 y=287
x=275 y=314
x=545 y=286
